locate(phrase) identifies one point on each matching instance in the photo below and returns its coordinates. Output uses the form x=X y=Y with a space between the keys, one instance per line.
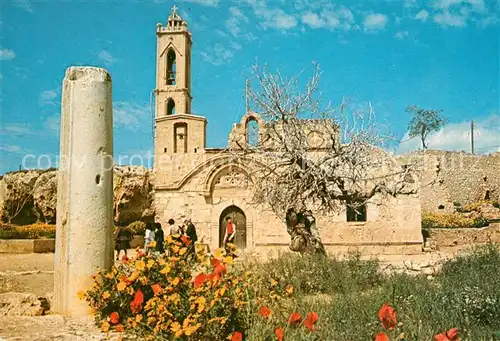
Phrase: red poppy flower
x=265 y=312
x=294 y=319
x=280 y=333
x=125 y=259
x=120 y=328
x=156 y=288
x=450 y=335
x=136 y=304
x=311 y=320
x=199 y=280
x=381 y=337
x=387 y=315
x=220 y=269
x=186 y=240
x=114 y=317
x=237 y=336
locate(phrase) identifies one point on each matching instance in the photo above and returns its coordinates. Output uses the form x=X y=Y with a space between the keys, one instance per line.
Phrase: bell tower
x=179 y=135
x=173 y=65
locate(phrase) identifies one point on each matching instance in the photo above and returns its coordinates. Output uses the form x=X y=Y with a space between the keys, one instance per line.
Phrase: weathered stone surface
x=133 y=193
x=45 y=196
x=16 y=197
x=51 y=328
x=84 y=242
x=22 y=304
x=466 y=236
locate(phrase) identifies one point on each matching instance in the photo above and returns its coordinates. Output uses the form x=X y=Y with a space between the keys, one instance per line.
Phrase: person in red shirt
x=230 y=232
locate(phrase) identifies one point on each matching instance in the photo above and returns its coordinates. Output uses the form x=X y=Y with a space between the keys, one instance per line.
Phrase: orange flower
x=156 y=289
x=280 y=333
x=311 y=320
x=265 y=312
x=199 y=280
x=387 y=315
x=381 y=337
x=136 y=304
x=186 y=240
x=450 y=335
x=119 y=328
x=237 y=336
x=294 y=319
x=114 y=317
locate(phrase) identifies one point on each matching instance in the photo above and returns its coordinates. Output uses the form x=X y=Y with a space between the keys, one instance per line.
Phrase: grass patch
x=465 y=295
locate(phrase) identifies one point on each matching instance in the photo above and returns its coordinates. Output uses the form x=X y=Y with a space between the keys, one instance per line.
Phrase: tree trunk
x=304 y=235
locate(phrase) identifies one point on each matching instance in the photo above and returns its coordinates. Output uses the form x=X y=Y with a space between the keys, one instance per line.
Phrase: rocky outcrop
x=30 y=196
x=133 y=194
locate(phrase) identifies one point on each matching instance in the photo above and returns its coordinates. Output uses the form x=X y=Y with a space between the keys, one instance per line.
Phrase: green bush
x=137 y=227
x=33 y=231
x=451 y=220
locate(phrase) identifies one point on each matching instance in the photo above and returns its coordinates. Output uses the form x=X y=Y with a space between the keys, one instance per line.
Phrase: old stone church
x=205 y=184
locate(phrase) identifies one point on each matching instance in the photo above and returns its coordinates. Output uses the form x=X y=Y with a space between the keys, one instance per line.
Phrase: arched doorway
x=240 y=220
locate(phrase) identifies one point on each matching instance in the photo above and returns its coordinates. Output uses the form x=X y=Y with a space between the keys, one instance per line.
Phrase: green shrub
x=137 y=227
x=451 y=220
x=33 y=231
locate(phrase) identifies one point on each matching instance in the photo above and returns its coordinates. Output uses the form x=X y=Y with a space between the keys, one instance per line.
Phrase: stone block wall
x=455 y=177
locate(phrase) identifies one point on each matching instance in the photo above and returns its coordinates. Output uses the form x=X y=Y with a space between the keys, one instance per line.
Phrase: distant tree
x=423 y=122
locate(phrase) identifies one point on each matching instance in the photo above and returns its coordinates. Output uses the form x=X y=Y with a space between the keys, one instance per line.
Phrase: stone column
x=84 y=235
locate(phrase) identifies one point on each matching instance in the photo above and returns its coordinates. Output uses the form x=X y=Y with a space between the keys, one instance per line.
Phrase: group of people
x=154 y=232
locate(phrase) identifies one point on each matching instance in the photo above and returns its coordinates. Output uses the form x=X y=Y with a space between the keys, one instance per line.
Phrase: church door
x=239 y=219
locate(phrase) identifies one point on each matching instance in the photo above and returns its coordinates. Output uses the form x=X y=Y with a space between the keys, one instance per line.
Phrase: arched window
x=170 y=107
x=252 y=132
x=180 y=138
x=171 y=67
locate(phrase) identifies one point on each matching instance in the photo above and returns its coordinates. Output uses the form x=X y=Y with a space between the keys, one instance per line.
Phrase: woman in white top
x=149 y=237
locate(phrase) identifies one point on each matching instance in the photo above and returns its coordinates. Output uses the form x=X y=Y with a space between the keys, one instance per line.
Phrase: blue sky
x=441 y=54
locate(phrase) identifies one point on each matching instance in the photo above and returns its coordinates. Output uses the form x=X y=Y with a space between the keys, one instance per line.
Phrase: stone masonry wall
x=456 y=177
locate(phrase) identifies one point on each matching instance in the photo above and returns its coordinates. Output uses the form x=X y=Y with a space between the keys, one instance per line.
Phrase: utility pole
x=472 y=136
x=246 y=96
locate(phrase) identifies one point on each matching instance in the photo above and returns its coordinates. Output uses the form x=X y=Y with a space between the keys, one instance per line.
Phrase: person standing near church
x=230 y=232
x=159 y=238
x=149 y=236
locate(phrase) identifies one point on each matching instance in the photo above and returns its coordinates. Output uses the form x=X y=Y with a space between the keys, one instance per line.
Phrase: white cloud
x=445 y=19
x=53 y=123
x=401 y=35
x=16 y=129
x=423 y=15
x=235 y=46
x=129 y=114
x=272 y=17
x=476 y=5
x=456 y=137
x=11 y=149
x=375 y=21
x=209 y=3
x=106 y=57
x=218 y=55
x=7 y=54
x=329 y=18
x=234 y=21
x=410 y=3
x=24 y=5
x=47 y=97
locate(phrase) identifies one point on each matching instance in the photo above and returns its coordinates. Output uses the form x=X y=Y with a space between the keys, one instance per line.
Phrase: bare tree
x=313 y=157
